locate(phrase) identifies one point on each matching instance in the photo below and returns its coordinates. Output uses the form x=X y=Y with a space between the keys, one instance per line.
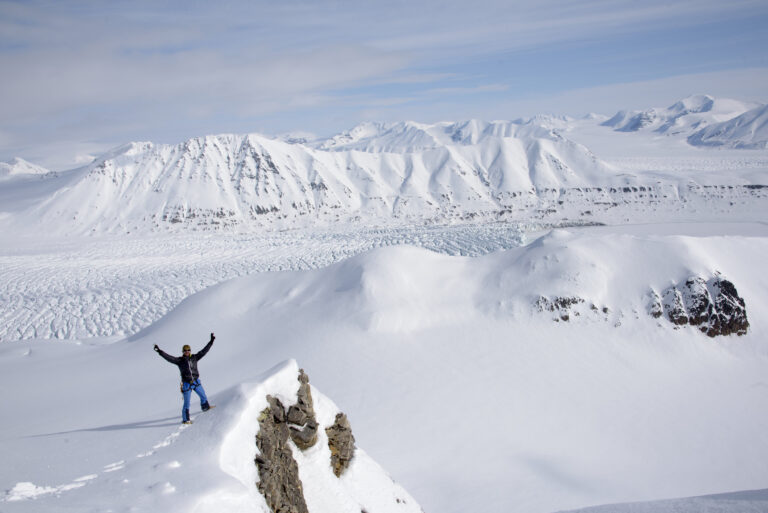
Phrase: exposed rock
x=714 y=306
x=697 y=301
x=674 y=308
x=342 y=444
x=307 y=436
x=730 y=314
x=278 y=472
x=302 y=415
x=563 y=307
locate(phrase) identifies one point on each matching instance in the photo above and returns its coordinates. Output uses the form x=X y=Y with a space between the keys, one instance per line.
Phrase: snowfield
x=495 y=306
x=452 y=381
x=114 y=286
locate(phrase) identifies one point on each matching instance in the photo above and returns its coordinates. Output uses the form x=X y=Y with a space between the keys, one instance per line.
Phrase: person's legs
x=186 y=391
x=201 y=392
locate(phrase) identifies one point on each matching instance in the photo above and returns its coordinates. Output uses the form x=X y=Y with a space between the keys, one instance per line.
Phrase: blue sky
x=81 y=77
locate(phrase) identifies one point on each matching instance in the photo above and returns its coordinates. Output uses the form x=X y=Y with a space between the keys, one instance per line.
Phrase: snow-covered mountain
x=384 y=174
x=20 y=168
x=410 y=137
x=683 y=117
x=404 y=174
x=489 y=366
x=749 y=130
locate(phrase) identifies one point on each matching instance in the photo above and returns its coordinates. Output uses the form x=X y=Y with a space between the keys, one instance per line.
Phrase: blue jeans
x=186 y=391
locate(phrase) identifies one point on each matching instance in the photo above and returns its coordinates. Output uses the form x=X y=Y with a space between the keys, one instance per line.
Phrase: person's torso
x=188 y=368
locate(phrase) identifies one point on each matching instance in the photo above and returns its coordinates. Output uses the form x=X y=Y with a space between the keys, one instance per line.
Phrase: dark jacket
x=187 y=365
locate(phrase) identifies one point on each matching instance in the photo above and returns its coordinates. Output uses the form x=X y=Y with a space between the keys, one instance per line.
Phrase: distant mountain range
x=705 y=120
x=376 y=173
x=749 y=130
x=20 y=168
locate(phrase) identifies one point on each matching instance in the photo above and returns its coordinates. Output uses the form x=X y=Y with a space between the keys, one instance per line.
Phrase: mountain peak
x=20 y=167
x=683 y=117
x=693 y=103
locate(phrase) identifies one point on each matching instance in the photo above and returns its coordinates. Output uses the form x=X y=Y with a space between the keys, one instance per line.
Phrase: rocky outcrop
x=278 y=471
x=279 y=481
x=562 y=307
x=714 y=306
x=341 y=443
x=301 y=416
x=566 y=308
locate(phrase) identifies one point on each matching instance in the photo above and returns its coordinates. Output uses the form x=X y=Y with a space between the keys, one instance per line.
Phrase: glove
x=157 y=349
x=212 y=337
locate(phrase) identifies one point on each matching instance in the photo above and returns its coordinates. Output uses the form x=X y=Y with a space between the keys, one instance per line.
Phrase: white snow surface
x=549 y=169
x=207 y=466
x=452 y=381
x=683 y=117
x=19 y=167
x=750 y=130
x=401 y=266
x=114 y=286
x=247 y=182
x=748 y=501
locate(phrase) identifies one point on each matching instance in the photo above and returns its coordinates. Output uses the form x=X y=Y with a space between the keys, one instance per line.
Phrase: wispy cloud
x=481 y=89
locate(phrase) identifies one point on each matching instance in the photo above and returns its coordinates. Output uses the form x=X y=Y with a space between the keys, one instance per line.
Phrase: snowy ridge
x=683 y=117
x=364 y=484
x=214 y=460
x=20 y=168
x=410 y=136
x=231 y=181
x=112 y=288
x=609 y=278
x=749 y=131
x=395 y=174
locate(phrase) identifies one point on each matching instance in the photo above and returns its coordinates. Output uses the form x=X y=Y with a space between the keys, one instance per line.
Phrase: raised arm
x=207 y=348
x=173 y=359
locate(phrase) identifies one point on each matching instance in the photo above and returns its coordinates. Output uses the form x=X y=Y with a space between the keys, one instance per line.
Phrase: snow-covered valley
x=528 y=316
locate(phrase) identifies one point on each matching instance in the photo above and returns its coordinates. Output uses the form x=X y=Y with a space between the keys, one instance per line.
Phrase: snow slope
x=683 y=117
x=204 y=467
x=493 y=374
x=547 y=169
x=749 y=130
x=749 y=501
x=551 y=170
x=20 y=167
x=250 y=181
x=452 y=380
